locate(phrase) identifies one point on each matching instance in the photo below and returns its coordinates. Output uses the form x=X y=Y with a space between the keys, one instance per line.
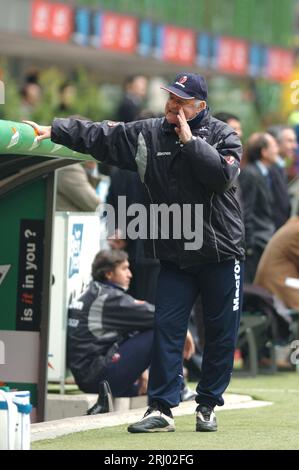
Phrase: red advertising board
x=280 y=64
x=233 y=56
x=179 y=45
x=119 y=32
x=40 y=19
x=52 y=21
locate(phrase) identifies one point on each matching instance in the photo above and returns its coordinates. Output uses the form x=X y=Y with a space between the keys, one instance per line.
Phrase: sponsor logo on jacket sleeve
x=230 y=160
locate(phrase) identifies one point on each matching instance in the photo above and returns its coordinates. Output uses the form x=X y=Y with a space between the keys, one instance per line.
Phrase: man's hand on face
x=43 y=132
x=183 y=130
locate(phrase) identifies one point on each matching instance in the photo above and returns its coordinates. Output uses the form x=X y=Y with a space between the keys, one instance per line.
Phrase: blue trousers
x=220 y=285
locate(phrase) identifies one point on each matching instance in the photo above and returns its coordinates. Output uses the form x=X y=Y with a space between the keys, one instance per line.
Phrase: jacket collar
x=112 y=285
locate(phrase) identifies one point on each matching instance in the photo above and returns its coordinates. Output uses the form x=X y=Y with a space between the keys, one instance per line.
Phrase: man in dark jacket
x=257 y=198
x=188 y=163
x=286 y=141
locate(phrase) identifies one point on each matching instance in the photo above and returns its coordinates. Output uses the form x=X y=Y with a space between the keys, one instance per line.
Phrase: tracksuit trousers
x=220 y=286
x=134 y=358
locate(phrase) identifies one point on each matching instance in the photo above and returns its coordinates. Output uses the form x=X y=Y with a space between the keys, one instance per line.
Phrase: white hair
x=197 y=103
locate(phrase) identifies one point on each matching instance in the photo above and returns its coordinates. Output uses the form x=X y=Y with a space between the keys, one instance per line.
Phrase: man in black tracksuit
x=189 y=161
x=109 y=335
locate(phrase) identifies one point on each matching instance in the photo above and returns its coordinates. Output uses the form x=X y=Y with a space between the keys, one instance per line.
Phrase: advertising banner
x=119 y=32
x=41 y=12
x=280 y=64
x=256 y=60
x=52 y=21
x=76 y=242
x=129 y=34
x=30 y=275
x=146 y=38
x=95 y=29
x=233 y=56
x=82 y=26
x=179 y=45
x=204 y=50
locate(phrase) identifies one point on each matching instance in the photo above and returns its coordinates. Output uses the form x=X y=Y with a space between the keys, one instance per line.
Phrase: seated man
x=278 y=273
x=110 y=333
x=76 y=189
x=279 y=262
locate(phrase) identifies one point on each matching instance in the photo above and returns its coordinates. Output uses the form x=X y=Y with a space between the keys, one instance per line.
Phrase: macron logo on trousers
x=237 y=269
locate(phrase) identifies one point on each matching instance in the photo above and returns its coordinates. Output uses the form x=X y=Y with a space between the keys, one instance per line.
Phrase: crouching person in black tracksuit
x=188 y=162
x=109 y=332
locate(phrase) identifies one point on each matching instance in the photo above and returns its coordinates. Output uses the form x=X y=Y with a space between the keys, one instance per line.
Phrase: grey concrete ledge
x=52 y=429
x=69 y=406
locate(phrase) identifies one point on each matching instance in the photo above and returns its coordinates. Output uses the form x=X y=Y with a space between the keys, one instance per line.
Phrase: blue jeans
x=220 y=285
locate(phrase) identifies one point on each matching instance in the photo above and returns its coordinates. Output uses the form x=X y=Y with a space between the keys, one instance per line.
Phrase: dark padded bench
x=252 y=325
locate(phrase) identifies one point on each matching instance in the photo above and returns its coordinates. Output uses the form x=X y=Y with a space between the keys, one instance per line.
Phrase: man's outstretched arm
x=112 y=143
x=43 y=132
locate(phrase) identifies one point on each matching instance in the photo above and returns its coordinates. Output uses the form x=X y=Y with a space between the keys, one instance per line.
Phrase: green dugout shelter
x=27 y=192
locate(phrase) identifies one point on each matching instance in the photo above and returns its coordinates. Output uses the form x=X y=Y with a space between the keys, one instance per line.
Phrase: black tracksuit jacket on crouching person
x=100 y=322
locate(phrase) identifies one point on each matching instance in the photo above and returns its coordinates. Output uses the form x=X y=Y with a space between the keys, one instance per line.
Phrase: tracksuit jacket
x=203 y=171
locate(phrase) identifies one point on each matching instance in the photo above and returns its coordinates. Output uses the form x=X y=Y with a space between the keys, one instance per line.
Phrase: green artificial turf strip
x=69 y=389
x=271 y=427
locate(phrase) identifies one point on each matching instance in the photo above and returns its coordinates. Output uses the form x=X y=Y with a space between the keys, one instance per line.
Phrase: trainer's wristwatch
x=190 y=140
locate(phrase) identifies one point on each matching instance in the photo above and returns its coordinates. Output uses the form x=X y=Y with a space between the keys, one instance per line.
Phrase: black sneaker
x=104 y=402
x=205 y=419
x=154 y=420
